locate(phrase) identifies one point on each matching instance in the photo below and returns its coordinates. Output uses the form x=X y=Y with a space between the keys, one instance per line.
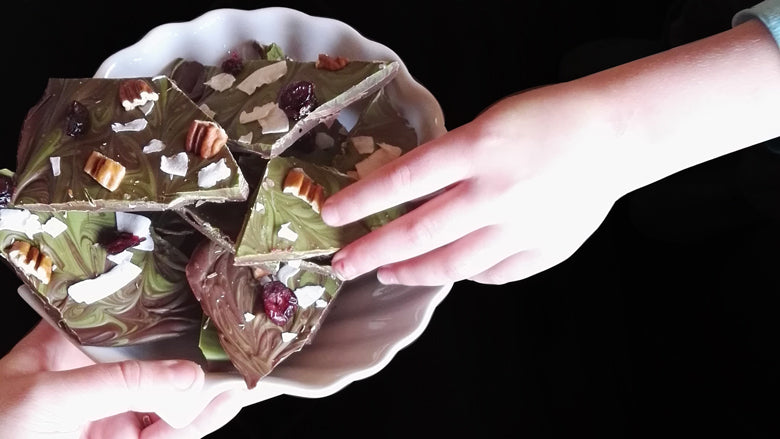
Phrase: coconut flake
x=134 y=125
x=308 y=294
x=395 y=151
x=206 y=109
x=139 y=226
x=262 y=76
x=145 y=98
x=20 y=220
x=373 y=162
x=175 y=164
x=154 y=145
x=221 y=81
x=246 y=138
x=363 y=144
x=286 y=272
x=271 y=118
x=285 y=232
x=54 y=227
x=91 y=290
x=55 y=165
x=289 y=336
x=123 y=256
x=211 y=174
x=248 y=317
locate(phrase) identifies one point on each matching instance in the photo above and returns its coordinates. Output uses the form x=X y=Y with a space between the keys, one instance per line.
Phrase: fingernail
x=342 y=269
x=329 y=215
x=185 y=374
x=386 y=276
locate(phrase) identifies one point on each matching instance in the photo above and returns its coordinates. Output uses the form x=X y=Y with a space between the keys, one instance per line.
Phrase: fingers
x=441 y=220
x=461 y=259
x=103 y=390
x=44 y=348
x=517 y=267
x=218 y=413
x=420 y=172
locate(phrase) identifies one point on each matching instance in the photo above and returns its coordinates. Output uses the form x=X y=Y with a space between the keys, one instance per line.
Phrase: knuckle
x=129 y=373
x=455 y=271
x=400 y=177
x=421 y=232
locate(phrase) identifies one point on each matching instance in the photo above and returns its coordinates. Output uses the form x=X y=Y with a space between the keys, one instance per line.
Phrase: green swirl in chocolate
x=334 y=91
x=156 y=305
x=227 y=294
x=145 y=185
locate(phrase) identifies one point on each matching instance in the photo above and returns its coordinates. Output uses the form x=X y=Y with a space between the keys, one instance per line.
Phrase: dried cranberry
x=297 y=99
x=77 y=119
x=279 y=302
x=6 y=190
x=117 y=242
x=233 y=64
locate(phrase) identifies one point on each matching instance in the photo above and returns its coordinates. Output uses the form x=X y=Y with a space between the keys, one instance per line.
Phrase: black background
x=662 y=325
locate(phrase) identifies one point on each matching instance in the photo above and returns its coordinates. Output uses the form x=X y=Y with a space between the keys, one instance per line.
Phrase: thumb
x=102 y=390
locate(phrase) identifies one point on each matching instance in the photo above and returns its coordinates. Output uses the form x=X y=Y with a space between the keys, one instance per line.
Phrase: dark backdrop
x=662 y=325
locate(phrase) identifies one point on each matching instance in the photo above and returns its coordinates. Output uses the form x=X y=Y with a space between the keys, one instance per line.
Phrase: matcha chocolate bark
x=262 y=314
x=136 y=295
x=266 y=105
x=121 y=144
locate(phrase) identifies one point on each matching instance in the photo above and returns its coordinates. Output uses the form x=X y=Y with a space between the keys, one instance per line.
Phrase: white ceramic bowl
x=369 y=323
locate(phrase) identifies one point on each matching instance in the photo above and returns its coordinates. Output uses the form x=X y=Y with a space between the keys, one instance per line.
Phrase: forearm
x=690 y=104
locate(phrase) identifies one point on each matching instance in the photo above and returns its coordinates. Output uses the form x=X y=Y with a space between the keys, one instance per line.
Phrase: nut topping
x=135 y=93
x=326 y=62
x=205 y=138
x=302 y=186
x=30 y=260
x=109 y=173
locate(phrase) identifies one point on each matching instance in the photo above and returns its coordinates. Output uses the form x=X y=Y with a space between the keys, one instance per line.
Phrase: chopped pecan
x=30 y=260
x=296 y=182
x=135 y=92
x=109 y=173
x=205 y=138
x=333 y=63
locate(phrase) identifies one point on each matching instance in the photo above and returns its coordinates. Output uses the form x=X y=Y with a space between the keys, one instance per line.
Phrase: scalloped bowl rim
x=426 y=115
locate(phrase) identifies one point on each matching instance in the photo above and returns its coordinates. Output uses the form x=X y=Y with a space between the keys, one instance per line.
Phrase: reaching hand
x=521 y=187
x=51 y=389
x=509 y=194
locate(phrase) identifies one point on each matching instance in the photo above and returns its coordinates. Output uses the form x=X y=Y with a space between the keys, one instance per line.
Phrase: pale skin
x=51 y=389
x=521 y=187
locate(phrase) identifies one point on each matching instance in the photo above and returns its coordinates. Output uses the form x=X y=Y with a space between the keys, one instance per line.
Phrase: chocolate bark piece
x=381 y=123
x=232 y=299
x=222 y=222
x=230 y=101
x=148 y=143
x=155 y=304
x=280 y=225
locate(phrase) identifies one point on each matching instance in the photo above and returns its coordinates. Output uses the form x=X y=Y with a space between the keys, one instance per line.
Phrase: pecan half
x=297 y=183
x=135 y=93
x=205 y=138
x=109 y=173
x=30 y=260
x=332 y=63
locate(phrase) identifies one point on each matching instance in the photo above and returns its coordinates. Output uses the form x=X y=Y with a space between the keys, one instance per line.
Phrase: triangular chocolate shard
x=244 y=103
x=283 y=220
x=253 y=335
x=126 y=144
